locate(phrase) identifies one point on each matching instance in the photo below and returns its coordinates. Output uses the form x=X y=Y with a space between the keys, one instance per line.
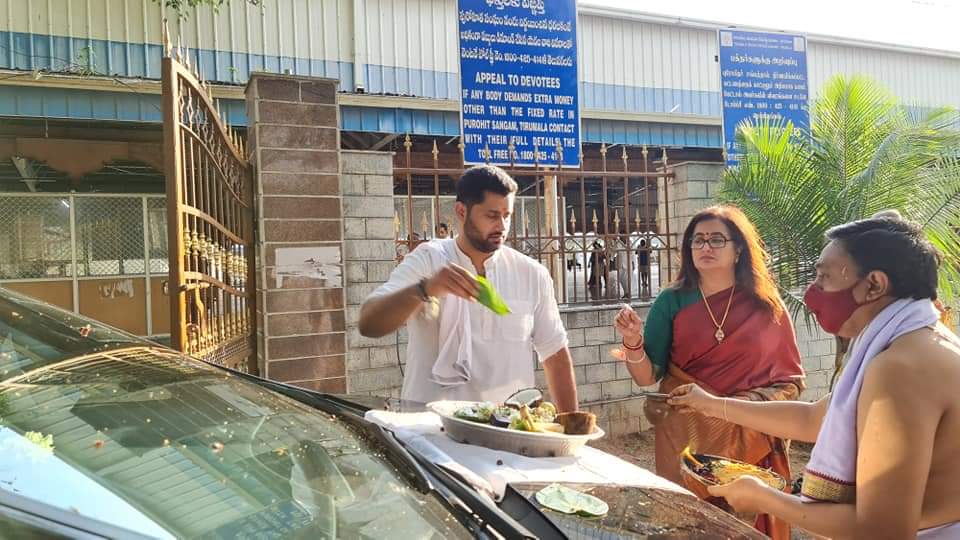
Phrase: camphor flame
x=688 y=455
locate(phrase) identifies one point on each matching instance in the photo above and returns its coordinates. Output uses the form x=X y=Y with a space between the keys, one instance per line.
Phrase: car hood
x=635 y=512
x=640 y=513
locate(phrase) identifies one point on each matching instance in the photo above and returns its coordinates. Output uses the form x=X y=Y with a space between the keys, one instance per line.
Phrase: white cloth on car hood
x=489 y=471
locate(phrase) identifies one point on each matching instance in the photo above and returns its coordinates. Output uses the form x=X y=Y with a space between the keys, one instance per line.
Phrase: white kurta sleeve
x=549 y=335
x=415 y=266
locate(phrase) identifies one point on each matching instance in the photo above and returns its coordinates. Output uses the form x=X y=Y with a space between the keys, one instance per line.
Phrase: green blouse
x=658 y=328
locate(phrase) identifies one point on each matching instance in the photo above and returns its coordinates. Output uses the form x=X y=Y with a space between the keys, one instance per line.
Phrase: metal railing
x=602 y=229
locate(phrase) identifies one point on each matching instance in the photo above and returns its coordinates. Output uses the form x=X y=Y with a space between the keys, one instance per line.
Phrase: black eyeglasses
x=716 y=242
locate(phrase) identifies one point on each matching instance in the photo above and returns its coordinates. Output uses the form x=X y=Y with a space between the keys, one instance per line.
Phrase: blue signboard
x=762 y=75
x=518 y=81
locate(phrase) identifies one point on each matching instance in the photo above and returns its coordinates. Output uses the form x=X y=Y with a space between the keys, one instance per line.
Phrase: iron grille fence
x=601 y=229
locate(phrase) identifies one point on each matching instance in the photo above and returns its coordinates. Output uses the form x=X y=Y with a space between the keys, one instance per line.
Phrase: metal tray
x=524 y=443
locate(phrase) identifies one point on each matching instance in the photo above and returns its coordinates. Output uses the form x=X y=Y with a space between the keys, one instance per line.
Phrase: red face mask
x=831 y=309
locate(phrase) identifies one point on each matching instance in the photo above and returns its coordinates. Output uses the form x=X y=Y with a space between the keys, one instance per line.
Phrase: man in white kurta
x=463 y=350
x=502 y=347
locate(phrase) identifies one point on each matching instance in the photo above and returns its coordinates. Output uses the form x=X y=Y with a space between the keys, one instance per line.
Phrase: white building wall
x=629 y=62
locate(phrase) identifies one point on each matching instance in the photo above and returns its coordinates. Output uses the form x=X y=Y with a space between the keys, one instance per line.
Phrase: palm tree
x=864 y=152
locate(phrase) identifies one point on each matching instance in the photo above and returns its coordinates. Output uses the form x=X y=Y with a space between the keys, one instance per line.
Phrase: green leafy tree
x=864 y=152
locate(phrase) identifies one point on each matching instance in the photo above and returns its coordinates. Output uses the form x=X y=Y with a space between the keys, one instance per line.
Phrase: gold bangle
x=626 y=357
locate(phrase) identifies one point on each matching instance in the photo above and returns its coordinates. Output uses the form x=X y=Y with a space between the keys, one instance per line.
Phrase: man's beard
x=477 y=240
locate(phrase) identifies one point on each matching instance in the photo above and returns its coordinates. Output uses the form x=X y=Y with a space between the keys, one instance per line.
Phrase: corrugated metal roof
x=440 y=123
x=418 y=34
x=629 y=61
x=923 y=80
x=649 y=99
x=643 y=55
x=137 y=60
x=316 y=29
x=649 y=133
x=19 y=101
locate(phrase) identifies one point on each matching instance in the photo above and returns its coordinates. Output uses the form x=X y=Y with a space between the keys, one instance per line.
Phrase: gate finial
x=167 y=48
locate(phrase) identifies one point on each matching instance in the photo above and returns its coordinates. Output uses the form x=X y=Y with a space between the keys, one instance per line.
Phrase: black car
x=106 y=435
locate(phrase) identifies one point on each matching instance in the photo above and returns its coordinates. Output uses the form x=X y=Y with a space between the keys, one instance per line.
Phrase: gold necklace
x=719 y=334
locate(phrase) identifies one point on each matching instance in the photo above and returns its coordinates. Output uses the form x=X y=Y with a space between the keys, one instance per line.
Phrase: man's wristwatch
x=432 y=308
x=422 y=290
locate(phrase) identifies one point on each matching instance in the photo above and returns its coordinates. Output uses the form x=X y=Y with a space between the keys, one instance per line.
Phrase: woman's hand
x=745 y=494
x=692 y=398
x=630 y=326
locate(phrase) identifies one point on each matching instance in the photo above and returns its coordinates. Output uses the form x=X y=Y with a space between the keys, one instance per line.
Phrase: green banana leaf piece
x=570 y=501
x=489 y=297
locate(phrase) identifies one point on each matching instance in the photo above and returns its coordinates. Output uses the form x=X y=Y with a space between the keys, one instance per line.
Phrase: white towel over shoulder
x=453 y=364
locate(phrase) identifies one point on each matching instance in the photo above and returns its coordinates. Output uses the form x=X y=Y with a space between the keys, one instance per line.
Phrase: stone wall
x=817 y=352
x=367 y=185
x=604 y=385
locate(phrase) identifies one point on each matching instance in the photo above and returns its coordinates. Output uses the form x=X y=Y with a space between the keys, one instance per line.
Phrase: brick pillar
x=295 y=146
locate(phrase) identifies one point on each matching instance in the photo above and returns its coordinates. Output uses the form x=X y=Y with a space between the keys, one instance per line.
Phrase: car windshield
x=143 y=438
x=34 y=334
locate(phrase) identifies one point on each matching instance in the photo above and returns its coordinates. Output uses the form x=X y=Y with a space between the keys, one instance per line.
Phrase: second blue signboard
x=763 y=76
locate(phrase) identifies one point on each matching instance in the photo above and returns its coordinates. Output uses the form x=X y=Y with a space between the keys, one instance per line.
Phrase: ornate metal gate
x=210 y=222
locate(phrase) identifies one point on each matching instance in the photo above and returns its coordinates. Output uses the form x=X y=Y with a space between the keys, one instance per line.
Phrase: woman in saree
x=721 y=325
